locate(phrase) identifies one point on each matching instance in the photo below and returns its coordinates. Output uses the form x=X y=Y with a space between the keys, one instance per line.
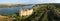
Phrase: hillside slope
x=45 y=12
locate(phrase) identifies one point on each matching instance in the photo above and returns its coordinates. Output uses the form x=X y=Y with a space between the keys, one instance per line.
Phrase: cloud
x=38 y=1
x=29 y=1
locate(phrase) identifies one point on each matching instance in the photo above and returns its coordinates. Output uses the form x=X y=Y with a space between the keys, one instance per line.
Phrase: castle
x=26 y=12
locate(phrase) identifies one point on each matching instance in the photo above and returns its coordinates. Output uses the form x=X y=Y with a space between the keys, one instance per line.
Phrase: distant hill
x=12 y=5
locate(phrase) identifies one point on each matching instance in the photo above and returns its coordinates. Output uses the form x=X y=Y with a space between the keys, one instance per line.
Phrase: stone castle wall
x=26 y=12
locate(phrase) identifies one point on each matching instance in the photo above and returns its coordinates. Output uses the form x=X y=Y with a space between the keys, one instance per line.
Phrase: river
x=13 y=10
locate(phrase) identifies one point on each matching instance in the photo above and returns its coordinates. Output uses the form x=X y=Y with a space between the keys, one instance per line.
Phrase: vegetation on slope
x=42 y=12
x=46 y=12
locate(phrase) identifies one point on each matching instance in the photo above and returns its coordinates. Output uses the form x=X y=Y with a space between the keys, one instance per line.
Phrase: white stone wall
x=26 y=12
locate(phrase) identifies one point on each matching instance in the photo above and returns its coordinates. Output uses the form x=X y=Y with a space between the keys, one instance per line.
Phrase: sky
x=28 y=1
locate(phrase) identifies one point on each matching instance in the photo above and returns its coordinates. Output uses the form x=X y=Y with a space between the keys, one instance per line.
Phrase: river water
x=13 y=10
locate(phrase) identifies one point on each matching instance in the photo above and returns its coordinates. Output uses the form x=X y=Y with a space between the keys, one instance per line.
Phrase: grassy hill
x=42 y=12
x=45 y=12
